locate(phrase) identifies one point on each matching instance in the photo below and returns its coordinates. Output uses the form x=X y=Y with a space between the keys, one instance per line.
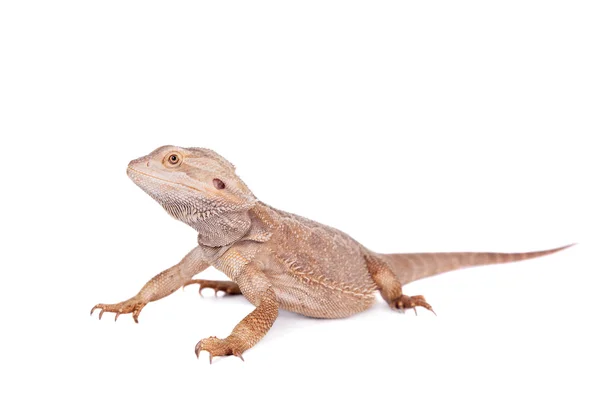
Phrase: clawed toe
x=133 y=307
x=217 y=348
x=404 y=302
x=229 y=288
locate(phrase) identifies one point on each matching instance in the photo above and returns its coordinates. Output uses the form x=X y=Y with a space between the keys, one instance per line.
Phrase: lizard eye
x=219 y=184
x=174 y=159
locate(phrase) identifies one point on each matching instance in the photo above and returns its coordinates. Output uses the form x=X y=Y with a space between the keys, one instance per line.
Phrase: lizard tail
x=414 y=266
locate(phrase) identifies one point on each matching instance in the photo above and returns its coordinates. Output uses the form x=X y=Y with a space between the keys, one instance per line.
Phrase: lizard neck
x=222 y=229
x=256 y=224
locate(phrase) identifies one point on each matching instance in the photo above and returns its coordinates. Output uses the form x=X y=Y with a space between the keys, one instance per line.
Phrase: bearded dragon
x=275 y=259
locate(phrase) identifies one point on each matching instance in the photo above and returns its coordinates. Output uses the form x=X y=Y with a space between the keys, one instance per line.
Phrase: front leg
x=158 y=287
x=256 y=287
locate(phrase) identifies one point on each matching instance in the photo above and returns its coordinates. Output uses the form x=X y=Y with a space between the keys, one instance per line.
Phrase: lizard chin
x=217 y=224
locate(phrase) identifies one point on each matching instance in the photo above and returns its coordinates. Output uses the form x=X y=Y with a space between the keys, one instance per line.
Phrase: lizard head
x=199 y=187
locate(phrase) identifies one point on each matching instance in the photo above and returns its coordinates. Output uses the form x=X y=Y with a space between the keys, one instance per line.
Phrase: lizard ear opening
x=219 y=184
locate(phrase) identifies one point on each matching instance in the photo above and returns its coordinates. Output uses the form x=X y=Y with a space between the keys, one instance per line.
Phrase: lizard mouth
x=138 y=176
x=138 y=172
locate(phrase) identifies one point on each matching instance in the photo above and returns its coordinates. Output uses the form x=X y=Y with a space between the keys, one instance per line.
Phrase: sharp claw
x=93 y=309
x=198 y=350
x=240 y=356
x=415 y=308
x=200 y=291
x=117 y=316
x=101 y=313
x=210 y=357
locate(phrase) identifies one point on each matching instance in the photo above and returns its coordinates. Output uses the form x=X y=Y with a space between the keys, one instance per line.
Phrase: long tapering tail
x=414 y=266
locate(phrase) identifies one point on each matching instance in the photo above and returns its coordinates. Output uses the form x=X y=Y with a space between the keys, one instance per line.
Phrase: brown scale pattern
x=274 y=259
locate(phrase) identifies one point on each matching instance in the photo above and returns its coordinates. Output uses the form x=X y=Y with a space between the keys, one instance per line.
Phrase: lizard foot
x=228 y=287
x=133 y=306
x=219 y=347
x=403 y=302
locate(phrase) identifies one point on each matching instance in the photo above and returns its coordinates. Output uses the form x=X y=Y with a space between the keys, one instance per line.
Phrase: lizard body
x=277 y=260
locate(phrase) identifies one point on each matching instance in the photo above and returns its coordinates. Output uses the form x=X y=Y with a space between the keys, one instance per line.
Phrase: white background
x=412 y=126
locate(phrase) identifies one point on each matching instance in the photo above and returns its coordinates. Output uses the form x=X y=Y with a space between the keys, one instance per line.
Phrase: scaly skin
x=275 y=259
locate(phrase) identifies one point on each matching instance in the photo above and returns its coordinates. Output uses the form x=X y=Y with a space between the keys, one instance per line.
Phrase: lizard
x=275 y=259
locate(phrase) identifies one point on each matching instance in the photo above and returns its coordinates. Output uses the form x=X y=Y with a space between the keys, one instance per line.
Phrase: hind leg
x=390 y=287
